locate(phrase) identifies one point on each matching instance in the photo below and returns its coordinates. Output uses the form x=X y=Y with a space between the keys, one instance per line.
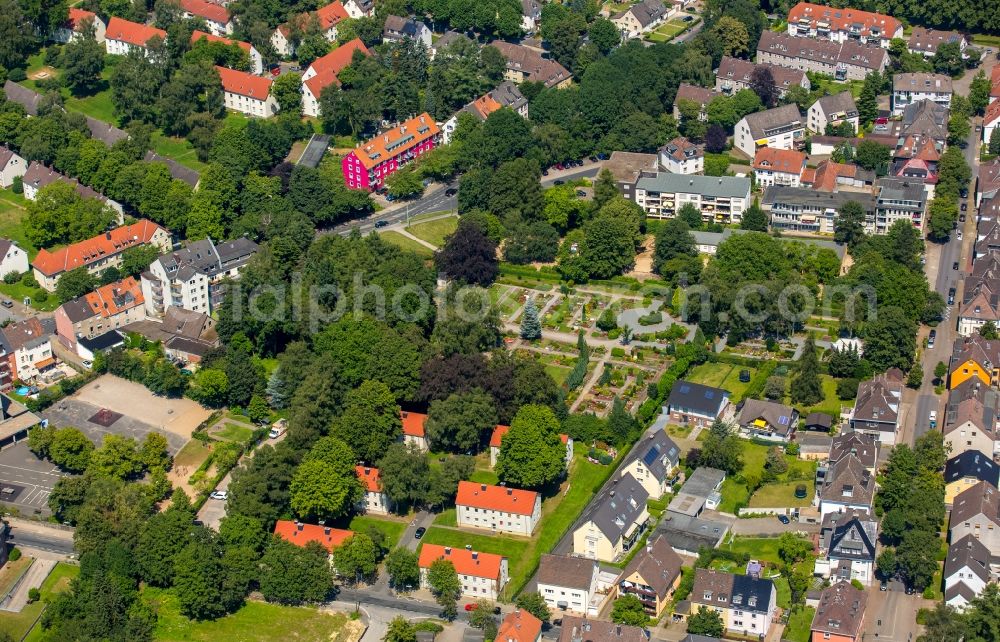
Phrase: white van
x=278 y=429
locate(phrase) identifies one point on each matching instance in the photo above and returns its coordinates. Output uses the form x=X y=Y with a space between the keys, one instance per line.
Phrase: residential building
x=818 y=421
x=531 y=14
x=23 y=96
x=519 y=626
x=640 y=18
x=323 y=72
x=926 y=41
x=911 y=88
x=215 y=16
x=185 y=335
x=371 y=163
x=842 y=60
x=829 y=176
x=991 y=120
x=178 y=171
x=568 y=583
x=575 y=629
x=767 y=420
x=772 y=166
x=97 y=253
x=285 y=38
x=696 y=404
x=375 y=501
x=613 y=521
x=699 y=95
x=194 y=277
x=627 y=168
x=974 y=357
x=971 y=418
x=359 y=8
x=450 y=38
x=976 y=512
x=966 y=571
x=721 y=199
x=300 y=534
x=524 y=63
x=654 y=464
x=15 y=421
x=897 y=199
x=747 y=604
x=736 y=74
x=965 y=470
x=840 y=615
x=27 y=348
x=122 y=36
x=481 y=575
x=397 y=29
x=700 y=491
x=13 y=260
x=247 y=93
x=833 y=110
x=818 y=21
x=105 y=132
x=88 y=349
x=681 y=156
x=987 y=180
x=806 y=210
x=499 y=509
x=76 y=22
x=689 y=535
x=39 y=176
x=876 y=409
x=847 y=542
x=863 y=446
x=256 y=61
x=496 y=438
x=413 y=429
x=652 y=576
x=505 y=95
x=11 y=166
x=781 y=127
x=846 y=485
x=109 y=307
x=922 y=120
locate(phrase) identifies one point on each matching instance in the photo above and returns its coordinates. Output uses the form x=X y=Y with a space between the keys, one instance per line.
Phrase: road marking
x=30 y=470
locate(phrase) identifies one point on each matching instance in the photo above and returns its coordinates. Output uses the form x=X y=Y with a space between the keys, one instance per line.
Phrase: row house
x=642 y=17
x=97 y=253
x=877 y=407
x=974 y=357
x=829 y=176
x=652 y=576
x=247 y=93
x=736 y=74
x=302 y=534
x=701 y=96
x=746 y=604
x=846 y=546
x=833 y=110
x=124 y=36
x=897 y=199
x=847 y=485
x=922 y=120
x=808 y=20
x=27 y=347
x=506 y=95
x=772 y=166
x=498 y=508
x=194 y=277
x=976 y=513
x=215 y=16
x=980 y=302
x=371 y=163
x=972 y=418
x=414 y=429
x=375 y=501
x=496 y=440
x=360 y=8
x=967 y=571
x=781 y=127
x=988 y=180
x=654 y=464
x=77 y=21
x=531 y=15
x=840 y=614
x=913 y=88
x=720 y=199
x=767 y=420
x=613 y=522
x=398 y=29
x=681 y=156
x=285 y=37
x=256 y=60
x=575 y=629
x=965 y=470
x=808 y=210
x=569 y=583
x=527 y=64
x=991 y=120
x=925 y=41
x=109 y=307
x=842 y=60
x=626 y=168
x=38 y=176
x=323 y=72
x=11 y=166
x=482 y=576
x=519 y=626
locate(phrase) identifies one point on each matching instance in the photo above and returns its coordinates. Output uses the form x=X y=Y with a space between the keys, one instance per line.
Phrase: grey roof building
x=178 y=171
x=646 y=12
x=23 y=96
x=773 y=121
x=701 y=488
x=972 y=466
x=105 y=132
x=568 y=571
x=714 y=186
x=850 y=535
x=858 y=444
x=577 y=629
x=767 y=419
x=618 y=514
x=654 y=460
x=876 y=409
x=688 y=535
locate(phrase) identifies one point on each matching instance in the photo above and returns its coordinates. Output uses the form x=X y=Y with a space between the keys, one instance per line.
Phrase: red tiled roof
x=843 y=19
x=108 y=300
x=499 y=498
x=206 y=10
x=132 y=32
x=333 y=63
x=93 y=249
x=370 y=477
x=413 y=423
x=397 y=140
x=500 y=431
x=519 y=626
x=331 y=14
x=301 y=534
x=198 y=35
x=244 y=84
x=824 y=177
x=76 y=16
x=992 y=111
x=466 y=562
x=779 y=160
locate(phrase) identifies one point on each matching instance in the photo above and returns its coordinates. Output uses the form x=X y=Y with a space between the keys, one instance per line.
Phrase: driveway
x=892 y=615
x=764 y=526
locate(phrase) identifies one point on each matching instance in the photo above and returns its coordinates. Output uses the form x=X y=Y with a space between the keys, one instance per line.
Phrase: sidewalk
x=36 y=574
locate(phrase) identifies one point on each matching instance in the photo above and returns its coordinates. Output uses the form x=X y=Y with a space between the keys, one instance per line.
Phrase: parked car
x=278 y=429
x=965 y=205
x=931 y=338
x=954 y=265
x=910 y=590
x=883 y=586
x=959 y=235
x=472 y=606
x=602 y=156
x=964 y=192
x=419 y=532
x=951 y=296
x=87 y=363
x=7 y=304
x=784 y=519
x=219 y=494
x=688 y=18
x=559 y=181
x=451 y=191
x=961 y=218
x=545 y=172
x=581 y=193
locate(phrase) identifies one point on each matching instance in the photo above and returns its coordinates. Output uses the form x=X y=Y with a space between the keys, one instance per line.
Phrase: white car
x=959 y=235
x=220 y=494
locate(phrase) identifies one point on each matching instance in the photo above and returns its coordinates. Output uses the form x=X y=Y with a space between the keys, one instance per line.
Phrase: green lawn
x=255 y=622
x=178 y=149
x=447 y=517
x=233 y=432
x=558 y=373
x=831 y=402
x=722 y=375
x=192 y=454
x=18 y=624
x=799 y=623
x=406 y=243
x=667 y=31
x=40 y=299
x=434 y=232
x=484 y=477
x=782 y=495
x=735 y=492
x=13 y=208
x=391 y=529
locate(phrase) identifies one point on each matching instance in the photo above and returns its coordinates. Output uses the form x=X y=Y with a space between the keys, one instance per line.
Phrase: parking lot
x=81 y=414
x=30 y=478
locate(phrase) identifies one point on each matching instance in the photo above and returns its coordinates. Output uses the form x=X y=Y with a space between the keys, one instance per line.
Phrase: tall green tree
x=531 y=453
x=849 y=225
x=807 y=389
x=403 y=568
x=627 y=609
x=445 y=586
x=461 y=422
x=531 y=327
x=706 y=622
x=356 y=558
x=371 y=420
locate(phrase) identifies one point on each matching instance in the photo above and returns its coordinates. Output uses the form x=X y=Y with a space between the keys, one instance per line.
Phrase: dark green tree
x=531 y=453
x=806 y=388
x=370 y=422
x=627 y=609
x=403 y=569
x=706 y=622
x=531 y=327
x=849 y=225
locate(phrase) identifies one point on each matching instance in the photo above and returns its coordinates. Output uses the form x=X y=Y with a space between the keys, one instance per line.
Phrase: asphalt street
x=38 y=536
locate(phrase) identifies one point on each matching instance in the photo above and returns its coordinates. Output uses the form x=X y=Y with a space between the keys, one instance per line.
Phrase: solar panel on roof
x=709 y=394
x=651 y=455
x=783 y=420
x=685 y=389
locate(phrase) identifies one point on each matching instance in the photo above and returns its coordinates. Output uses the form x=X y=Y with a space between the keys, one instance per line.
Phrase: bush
x=18 y=185
x=14 y=555
x=607 y=321
x=28 y=280
x=847 y=388
x=17 y=75
x=11 y=278
x=41 y=296
x=651 y=319
x=34 y=595
x=792 y=449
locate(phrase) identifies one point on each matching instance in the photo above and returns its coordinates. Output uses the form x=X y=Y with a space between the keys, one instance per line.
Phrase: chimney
x=475 y=555
x=482 y=487
x=447 y=550
x=298 y=525
x=107 y=235
x=468 y=547
x=510 y=491
x=326 y=530
x=368 y=471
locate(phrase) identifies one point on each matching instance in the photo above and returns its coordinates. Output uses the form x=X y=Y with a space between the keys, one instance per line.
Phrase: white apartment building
x=913 y=88
x=568 y=583
x=482 y=575
x=498 y=508
x=375 y=501
x=720 y=199
x=122 y=36
x=247 y=93
x=781 y=127
x=681 y=156
x=773 y=166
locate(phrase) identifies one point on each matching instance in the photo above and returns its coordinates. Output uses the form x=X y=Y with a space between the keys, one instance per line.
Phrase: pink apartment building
x=371 y=163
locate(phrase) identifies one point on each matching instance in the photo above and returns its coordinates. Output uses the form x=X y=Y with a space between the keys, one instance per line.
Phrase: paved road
x=892 y=615
x=38 y=535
